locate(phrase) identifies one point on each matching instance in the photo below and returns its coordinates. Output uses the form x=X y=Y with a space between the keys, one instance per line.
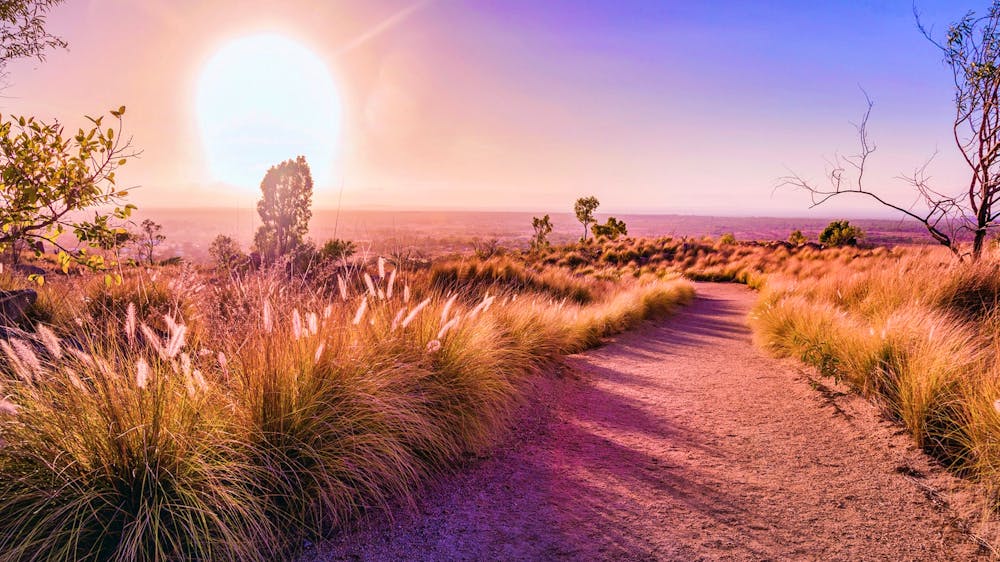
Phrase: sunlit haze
x=263 y=99
x=504 y=105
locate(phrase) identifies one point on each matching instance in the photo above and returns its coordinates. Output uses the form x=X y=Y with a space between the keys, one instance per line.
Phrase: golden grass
x=912 y=330
x=232 y=419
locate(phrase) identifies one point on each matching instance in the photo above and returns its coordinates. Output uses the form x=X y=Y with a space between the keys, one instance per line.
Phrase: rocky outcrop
x=14 y=304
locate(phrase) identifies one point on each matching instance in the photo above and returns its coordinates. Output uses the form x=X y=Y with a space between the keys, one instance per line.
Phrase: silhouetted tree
x=149 y=239
x=584 y=209
x=542 y=227
x=284 y=209
x=22 y=30
x=971 y=49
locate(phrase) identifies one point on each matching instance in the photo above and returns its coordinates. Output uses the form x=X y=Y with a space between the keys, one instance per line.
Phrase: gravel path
x=682 y=441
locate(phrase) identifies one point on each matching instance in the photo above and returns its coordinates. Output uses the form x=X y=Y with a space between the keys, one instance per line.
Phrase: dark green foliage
x=542 y=227
x=727 y=239
x=611 y=229
x=841 y=233
x=584 y=209
x=796 y=238
x=337 y=249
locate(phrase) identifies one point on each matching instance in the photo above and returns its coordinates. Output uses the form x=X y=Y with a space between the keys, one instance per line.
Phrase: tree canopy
x=284 y=209
x=48 y=178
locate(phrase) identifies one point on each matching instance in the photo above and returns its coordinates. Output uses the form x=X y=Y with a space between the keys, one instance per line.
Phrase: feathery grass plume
x=224 y=365
x=20 y=369
x=296 y=324
x=176 y=342
x=448 y=326
x=268 y=320
x=49 y=340
x=447 y=309
x=312 y=321
x=433 y=346
x=153 y=340
x=343 y=287
x=390 y=284
x=74 y=379
x=327 y=311
x=7 y=408
x=381 y=267
x=361 y=311
x=81 y=356
x=27 y=356
x=130 y=323
x=199 y=380
x=413 y=313
x=141 y=373
x=319 y=352
x=396 y=319
x=483 y=306
x=370 y=285
x=406 y=293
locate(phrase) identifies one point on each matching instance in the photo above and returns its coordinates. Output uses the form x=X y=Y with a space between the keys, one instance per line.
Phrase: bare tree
x=972 y=52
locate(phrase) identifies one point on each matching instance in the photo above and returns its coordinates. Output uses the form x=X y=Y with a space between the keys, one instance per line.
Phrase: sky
x=652 y=106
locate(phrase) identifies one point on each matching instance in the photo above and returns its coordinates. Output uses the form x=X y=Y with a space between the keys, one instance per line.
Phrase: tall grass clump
x=168 y=425
x=915 y=333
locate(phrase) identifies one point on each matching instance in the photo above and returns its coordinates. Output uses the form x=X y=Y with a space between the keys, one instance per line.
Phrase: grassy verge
x=213 y=419
x=917 y=334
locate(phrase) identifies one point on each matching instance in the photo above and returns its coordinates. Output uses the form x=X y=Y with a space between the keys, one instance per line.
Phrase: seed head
x=130 y=323
x=7 y=407
x=361 y=311
x=268 y=321
x=413 y=313
x=296 y=324
x=141 y=373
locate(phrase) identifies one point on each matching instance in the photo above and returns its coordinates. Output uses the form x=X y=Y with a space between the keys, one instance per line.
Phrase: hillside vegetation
x=190 y=415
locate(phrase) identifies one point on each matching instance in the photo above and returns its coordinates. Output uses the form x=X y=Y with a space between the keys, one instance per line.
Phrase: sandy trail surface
x=682 y=441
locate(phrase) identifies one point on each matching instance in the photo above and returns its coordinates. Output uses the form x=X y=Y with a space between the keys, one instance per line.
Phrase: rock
x=29 y=269
x=14 y=304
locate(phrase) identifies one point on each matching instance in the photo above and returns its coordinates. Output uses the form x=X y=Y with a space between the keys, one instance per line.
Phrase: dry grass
x=912 y=330
x=178 y=417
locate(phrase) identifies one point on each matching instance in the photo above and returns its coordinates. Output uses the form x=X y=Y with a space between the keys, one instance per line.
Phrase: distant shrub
x=337 y=249
x=796 y=238
x=226 y=253
x=841 y=233
x=727 y=239
x=486 y=249
x=612 y=229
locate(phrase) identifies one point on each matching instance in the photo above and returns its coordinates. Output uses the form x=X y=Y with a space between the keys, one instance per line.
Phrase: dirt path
x=682 y=442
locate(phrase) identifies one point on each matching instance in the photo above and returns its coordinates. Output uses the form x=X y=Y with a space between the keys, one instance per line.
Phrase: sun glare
x=262 y=99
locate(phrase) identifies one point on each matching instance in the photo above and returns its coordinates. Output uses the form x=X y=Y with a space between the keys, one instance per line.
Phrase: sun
x=262 y=99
